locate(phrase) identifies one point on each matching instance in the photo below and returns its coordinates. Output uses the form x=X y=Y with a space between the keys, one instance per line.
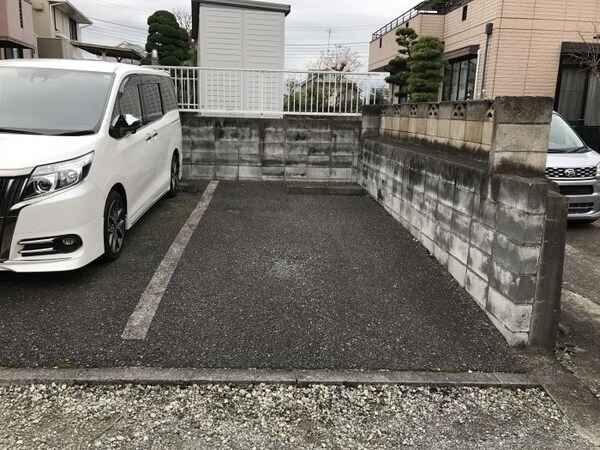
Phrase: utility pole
x=328 y=42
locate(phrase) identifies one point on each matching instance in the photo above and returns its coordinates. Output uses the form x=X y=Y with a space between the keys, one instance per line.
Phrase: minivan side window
x=151 y=101
x=128 y=102
x=167 y=89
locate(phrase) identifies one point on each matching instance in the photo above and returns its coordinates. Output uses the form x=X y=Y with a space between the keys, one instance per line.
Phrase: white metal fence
x=272 y=93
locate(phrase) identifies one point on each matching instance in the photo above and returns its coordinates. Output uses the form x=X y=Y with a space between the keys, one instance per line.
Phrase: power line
x=114 y=5
x=120 y=24
x=327 y=28
x=127 y=38
x=120 y=30
x=117 y=31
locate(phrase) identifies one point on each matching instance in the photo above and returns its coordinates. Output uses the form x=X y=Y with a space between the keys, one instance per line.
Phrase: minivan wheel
x=114 y=226
x=175 y=171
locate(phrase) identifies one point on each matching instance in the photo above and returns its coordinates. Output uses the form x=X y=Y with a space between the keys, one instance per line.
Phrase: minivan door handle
x=155 y=134
x=148 y=137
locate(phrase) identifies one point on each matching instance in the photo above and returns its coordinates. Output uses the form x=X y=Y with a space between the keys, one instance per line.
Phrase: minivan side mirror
x=125 y=124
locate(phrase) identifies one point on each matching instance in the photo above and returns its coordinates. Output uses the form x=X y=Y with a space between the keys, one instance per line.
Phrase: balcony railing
x=273 y=93
x=427 y=7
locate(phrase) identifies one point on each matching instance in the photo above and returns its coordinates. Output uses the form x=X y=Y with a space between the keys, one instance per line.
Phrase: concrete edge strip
x=148 y=376
x=141 y=319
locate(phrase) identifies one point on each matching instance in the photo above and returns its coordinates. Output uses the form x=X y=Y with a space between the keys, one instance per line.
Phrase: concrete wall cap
x=523 y=110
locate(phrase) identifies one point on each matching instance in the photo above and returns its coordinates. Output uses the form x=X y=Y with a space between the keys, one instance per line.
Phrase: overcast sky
x=351 y=22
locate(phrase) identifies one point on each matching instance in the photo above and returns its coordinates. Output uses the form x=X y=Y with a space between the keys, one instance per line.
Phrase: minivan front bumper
x=75 y=212
x=583 y=196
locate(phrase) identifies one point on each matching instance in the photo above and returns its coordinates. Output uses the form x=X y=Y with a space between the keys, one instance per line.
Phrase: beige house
x=17 y=38
x=507 y=47
x=57 y=24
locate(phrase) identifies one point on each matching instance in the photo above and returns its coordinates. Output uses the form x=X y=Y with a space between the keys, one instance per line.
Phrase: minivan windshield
x=55 y=102
x=563 y=139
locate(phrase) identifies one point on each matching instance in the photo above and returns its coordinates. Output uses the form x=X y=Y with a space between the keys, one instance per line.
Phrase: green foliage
x=426 y=69
x=418 y=70
x=399 y=70
x=166 y=36
x=381 y=96
x=319 y=97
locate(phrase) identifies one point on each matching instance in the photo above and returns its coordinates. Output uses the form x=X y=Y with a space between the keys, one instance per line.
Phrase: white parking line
x=141 y=319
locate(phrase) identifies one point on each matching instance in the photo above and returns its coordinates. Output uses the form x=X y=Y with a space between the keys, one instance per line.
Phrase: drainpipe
x=53 y=19
x=489 y=29
x=476 y=95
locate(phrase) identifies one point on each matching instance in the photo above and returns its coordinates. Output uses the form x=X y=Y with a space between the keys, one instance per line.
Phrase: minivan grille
x=580 y=172
x=581 y=208
x=11 y=190
x=576 y=190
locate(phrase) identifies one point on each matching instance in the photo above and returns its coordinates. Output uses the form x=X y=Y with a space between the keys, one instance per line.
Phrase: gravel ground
x=266 y=416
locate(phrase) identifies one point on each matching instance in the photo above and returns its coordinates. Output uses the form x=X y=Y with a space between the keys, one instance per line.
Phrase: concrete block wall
x=521 y=134
x=499 y=236
x=512 y=133
x=291 y=149
x=461 y=125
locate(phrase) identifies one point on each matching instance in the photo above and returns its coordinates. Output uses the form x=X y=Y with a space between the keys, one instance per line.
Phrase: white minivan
x=86 y=148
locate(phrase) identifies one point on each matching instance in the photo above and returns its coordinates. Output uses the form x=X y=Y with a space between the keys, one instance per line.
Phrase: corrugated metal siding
x=248 y=39
x=220 y=43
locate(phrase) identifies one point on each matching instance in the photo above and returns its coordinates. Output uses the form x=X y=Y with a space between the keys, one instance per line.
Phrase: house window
x=577 y=95
x=465 y=12
x=380 y=42
x=73 y=30
x=21 y=12
x=459 y=79
x=13 y=53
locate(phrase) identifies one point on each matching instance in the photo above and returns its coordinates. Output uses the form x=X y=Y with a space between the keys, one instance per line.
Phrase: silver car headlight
x=55 y=177
x=598 y=171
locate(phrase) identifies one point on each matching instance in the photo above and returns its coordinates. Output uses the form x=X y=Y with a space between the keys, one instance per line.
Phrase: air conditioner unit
x=38 y=5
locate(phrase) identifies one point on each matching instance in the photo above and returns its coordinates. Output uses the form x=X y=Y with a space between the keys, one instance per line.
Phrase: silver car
x=576 y=169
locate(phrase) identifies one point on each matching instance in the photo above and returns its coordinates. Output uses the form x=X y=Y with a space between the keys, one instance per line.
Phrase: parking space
x=582 y=262
x=579 y=340
x=76 y=318
x=267 y=280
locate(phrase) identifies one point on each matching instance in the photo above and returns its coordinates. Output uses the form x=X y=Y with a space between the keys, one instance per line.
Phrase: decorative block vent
x=460 y=111
x=489 y=115
x=433 y=110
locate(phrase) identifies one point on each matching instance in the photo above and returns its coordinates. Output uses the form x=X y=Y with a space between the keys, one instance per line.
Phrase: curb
x=244 y=377
x=572 y=397
x=316 y=188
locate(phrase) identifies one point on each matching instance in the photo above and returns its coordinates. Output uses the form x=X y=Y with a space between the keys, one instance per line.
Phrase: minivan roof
x=83 y=65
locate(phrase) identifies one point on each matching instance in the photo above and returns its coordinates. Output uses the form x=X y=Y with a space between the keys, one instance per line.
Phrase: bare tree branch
x=184 y=18
x=589 y=59
x=343 y=59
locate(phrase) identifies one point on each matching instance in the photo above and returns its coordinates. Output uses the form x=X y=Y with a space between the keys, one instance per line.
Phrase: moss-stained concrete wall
x=492 y=220
x=271 y=149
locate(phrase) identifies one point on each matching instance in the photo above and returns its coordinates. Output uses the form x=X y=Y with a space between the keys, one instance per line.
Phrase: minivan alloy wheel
x=116 y=225
x=115 y=215
x=175 y=173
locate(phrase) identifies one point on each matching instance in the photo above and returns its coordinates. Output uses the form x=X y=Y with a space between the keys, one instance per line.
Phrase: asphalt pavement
x=268 y=281
x=579 y=340
x=582 y=261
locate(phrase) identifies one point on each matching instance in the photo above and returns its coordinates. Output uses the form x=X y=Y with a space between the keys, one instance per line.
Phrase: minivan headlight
x=54 y=177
